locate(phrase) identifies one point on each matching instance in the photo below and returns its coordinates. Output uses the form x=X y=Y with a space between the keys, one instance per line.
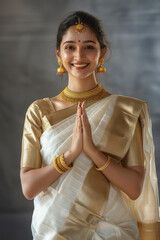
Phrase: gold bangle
x=60 y=165
x=56 y=166
x=64 y=164
x=105 y=165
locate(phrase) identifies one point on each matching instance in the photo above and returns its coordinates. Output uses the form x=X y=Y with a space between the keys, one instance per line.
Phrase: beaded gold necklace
x=74 y=97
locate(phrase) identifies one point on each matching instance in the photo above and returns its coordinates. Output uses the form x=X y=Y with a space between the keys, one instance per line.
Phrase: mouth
x=80 y=66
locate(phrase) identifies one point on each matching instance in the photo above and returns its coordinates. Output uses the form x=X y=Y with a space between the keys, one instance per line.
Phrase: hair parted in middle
x=87 y=19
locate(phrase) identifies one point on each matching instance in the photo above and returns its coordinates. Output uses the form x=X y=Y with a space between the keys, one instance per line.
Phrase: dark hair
x=92 y=22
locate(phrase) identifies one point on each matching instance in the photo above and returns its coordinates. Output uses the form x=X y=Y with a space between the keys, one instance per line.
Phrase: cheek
x=94 y=59
x=94 y=56
x=66 y=57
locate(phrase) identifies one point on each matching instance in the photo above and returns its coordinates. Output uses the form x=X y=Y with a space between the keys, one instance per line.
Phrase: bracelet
x=55 y=163
x=60 y=164
x=64 y=164
x=105 y=165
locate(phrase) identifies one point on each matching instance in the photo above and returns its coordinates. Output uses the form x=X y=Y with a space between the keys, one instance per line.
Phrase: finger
x=83 y=104
x=79 y=110
x=79 y=105
x=85 y=114
x=83 y=120
x=83 y=108
x=78 y=119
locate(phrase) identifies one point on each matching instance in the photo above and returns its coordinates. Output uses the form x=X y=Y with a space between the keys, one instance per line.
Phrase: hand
x=88 y=144
x=76 y=146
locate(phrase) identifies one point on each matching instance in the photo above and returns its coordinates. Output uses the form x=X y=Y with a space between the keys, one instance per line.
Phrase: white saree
x=81 y=203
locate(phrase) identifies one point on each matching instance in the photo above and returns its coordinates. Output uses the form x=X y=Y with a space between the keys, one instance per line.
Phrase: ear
x=58 y=55
x=103 y=52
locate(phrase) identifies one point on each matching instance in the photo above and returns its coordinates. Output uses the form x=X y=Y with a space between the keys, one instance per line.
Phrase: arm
x=128 y=179
x=35 y=180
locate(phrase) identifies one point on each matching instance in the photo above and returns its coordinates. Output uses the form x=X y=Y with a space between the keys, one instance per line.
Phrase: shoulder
x=128 y=104
x=127 y=99
x=40 y=107
x=122 y=98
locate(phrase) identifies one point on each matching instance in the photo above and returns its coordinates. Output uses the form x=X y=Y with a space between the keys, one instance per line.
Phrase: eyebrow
x=86 y=41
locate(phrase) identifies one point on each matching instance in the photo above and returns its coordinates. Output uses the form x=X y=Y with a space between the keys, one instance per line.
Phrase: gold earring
x=61 y=69
x=101 y=69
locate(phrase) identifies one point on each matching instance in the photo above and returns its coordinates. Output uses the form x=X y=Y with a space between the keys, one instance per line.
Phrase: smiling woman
x=80 y=55
x=87 y=155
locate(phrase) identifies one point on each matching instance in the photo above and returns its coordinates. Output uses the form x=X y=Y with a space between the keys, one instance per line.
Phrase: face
x=80 y=53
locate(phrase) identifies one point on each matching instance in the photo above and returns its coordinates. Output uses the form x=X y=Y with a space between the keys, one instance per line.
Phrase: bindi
x=79 y=40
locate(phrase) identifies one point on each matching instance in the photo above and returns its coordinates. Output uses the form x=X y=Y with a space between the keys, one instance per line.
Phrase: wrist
x=69 y=156
x=92 y=151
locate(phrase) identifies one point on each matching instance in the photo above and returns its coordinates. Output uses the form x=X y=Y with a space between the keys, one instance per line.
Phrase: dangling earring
x=101 y=69
x=61 y=69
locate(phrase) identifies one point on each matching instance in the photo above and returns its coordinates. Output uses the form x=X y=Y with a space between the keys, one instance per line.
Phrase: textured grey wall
x=28 y=72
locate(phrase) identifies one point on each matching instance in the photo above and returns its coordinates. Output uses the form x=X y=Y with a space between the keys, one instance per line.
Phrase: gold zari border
x=149 y=231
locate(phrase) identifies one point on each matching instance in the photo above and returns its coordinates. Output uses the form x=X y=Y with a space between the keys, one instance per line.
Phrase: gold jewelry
x=74 y=97
x=105 y=165
x=55 y=163
x=79 y=26
x=101 y=69
x=61 y=69
x=60 y=164
x=64 y=164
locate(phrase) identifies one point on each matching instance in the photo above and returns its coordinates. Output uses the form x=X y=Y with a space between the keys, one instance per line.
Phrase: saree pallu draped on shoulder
x=82 y=204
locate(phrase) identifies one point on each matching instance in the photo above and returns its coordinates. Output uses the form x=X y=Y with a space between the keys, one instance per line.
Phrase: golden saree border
x=88 y=207
x=121 y=126
x=135 y=154
x=94 y=192
x=149 y=231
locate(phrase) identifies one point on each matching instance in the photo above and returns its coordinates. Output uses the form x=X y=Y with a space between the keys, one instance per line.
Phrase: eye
x=70 y=47
x=89 y=47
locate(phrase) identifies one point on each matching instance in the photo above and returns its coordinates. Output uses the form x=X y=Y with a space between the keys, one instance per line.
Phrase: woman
x=87 y=155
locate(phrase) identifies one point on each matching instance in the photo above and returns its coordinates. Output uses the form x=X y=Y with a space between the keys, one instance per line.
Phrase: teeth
x=80 y=65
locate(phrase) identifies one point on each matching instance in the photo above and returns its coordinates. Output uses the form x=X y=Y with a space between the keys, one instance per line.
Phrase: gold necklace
x=74 y=97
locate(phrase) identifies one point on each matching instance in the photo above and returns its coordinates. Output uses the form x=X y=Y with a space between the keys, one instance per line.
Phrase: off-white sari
x=82 y=204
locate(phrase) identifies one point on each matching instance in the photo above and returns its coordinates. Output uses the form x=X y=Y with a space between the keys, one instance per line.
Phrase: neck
x=93 y=94
x=83 y=84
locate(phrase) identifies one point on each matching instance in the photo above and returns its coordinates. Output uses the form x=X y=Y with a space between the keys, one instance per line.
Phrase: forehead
x=72 y=35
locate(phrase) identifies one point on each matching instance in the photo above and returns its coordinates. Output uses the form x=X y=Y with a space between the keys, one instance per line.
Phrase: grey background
x=28 y=72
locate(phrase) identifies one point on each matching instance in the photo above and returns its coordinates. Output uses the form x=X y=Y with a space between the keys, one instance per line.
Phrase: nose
x=79 y=54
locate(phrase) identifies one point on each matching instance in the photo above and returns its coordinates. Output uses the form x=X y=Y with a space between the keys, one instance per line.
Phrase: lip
x=80 y=66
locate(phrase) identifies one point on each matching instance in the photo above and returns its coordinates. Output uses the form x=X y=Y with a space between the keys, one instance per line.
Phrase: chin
x=83 y=75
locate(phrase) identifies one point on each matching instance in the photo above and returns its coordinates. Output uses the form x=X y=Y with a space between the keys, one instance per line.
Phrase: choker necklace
x=74 y=97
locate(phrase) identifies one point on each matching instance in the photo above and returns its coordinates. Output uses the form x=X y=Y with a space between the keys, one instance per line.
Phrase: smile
x=80 y=66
